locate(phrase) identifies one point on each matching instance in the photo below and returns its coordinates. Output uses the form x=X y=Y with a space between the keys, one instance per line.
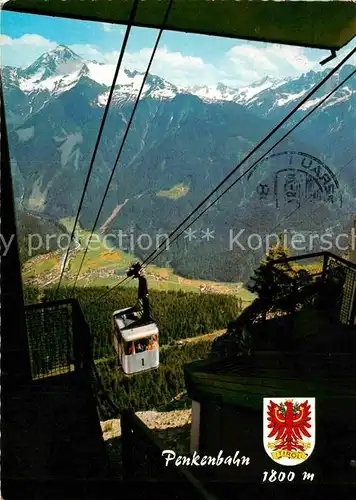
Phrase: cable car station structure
x=45 y=453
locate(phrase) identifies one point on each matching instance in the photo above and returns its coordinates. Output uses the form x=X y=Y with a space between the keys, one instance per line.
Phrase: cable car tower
x=135 y=333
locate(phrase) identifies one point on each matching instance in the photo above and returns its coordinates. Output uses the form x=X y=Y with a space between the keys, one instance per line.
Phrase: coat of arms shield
x=289 y=429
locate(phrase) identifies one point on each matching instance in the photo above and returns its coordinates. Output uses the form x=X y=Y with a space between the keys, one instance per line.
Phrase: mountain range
x=181 y=144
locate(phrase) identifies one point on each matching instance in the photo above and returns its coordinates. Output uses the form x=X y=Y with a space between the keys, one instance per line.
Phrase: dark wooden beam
x=323 y=25
x=15 y=361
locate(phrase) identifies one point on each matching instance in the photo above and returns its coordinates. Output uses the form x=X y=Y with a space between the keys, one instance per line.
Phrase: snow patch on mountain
x=346 y=94
x=129 y=84
x=57 y=83
x=341 y=96
x=244 y=95
x=250 y=93
x=124 y=94
x=216 y=93
x=11 y=75
x=102 y=73
x=311 y=103
x=69 y=149
x=25 y=134
x=287 y=98
x=31 y=84
x=163 y=94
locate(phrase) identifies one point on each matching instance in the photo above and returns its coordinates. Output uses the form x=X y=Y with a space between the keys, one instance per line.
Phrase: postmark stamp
x=290 y=179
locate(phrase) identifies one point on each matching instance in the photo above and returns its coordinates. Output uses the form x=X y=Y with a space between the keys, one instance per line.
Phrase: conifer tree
x=272 y=282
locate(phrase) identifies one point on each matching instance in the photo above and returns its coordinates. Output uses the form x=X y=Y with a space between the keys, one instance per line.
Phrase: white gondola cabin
x=136 y=344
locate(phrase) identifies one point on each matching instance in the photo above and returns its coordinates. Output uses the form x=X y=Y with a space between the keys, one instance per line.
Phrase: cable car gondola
x=135 y=333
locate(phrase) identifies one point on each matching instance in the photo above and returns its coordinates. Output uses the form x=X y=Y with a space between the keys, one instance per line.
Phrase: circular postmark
x=292 y=179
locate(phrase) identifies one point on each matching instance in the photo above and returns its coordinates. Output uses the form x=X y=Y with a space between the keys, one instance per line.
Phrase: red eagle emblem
x=289 y=423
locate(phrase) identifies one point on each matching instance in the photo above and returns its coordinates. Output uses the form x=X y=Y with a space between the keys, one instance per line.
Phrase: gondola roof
x=139 y=332
x=316 y=24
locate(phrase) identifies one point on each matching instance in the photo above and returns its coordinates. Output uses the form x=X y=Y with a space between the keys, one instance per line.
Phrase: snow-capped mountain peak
x=53 y=71
x=267 y=80
x=52 y=60
x=64 y=53
x=244 y=95
x=129 y=84
x=214 y=93
x=49 y=69
x=60 y=70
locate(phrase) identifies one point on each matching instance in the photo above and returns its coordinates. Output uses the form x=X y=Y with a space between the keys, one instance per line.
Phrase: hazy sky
x=181 y=58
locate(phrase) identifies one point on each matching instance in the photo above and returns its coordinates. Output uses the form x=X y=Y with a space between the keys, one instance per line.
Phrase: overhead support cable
x=261 y=143
x=312 y=195
x=258 y=146
x=307 y=199
x=320 y=103
x=101 y=128
x=125 y=136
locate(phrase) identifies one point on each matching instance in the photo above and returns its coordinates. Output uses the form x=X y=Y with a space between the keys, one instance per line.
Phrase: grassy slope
x=175 y=192
x=104 y=267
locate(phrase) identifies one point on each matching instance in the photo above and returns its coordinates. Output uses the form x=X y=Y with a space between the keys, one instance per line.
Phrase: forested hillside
x=180 y=146
x=178 y=315
x=34 y=230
